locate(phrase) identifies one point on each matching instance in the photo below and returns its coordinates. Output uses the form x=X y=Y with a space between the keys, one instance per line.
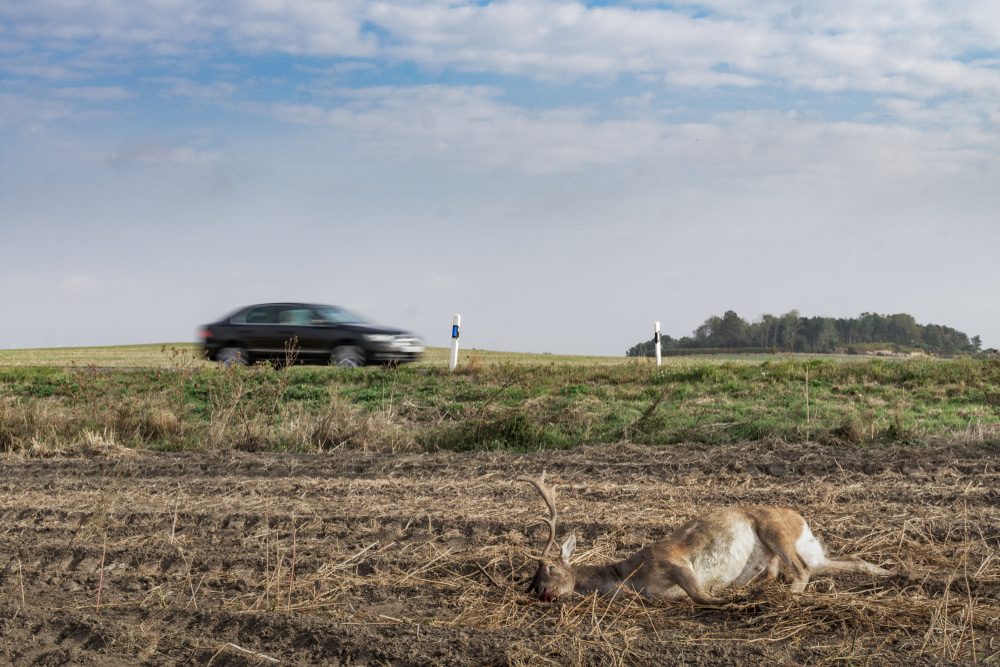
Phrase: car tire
x=347 y=356
x=232 y=356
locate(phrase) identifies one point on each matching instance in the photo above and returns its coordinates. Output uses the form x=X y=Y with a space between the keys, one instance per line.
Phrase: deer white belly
x=735 y=557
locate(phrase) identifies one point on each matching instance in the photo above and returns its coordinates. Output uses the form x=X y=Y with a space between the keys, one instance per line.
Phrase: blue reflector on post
x=454 y=331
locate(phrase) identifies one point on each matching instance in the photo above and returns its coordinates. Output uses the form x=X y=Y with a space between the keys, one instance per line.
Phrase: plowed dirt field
x=120 y=557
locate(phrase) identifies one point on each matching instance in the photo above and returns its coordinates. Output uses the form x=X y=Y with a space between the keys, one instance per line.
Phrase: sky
x=562 y=174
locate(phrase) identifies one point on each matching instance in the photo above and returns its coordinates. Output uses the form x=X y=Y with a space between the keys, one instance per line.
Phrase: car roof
x=286 y=303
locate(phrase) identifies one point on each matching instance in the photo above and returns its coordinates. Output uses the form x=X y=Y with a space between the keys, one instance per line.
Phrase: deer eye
x=551 y=568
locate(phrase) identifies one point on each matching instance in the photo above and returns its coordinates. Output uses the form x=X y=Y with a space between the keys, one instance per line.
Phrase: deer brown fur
x=725 y=548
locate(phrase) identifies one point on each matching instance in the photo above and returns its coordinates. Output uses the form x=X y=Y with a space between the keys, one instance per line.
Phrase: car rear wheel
x=348 y=356
x=232 y=356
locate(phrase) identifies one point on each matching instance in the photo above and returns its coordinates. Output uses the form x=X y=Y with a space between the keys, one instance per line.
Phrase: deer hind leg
x=684 y=576
x=773 y=567
x=798 y=572
x=849 y=564
x=783 y=546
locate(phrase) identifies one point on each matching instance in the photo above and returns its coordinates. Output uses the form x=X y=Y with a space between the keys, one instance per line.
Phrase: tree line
x=793 y=333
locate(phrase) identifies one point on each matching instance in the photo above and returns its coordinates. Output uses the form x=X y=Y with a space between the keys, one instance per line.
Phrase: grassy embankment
x=148 y=396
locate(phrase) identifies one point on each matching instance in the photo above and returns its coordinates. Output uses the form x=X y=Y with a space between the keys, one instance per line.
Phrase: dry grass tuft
x=36 y=427
x=341 y=425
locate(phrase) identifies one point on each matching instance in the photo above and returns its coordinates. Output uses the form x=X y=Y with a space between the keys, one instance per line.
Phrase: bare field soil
x=123 y=557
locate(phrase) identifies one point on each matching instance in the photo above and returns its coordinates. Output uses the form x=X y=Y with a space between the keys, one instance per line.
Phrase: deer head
x=555 y=577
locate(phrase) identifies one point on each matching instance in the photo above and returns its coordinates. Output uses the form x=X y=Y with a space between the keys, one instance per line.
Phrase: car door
x=259 y=329
x=298 y=323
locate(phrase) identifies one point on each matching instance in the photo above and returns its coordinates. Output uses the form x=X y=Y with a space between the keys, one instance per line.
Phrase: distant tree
x=767 y=331
x=788 y=329
x=731 y=332
x=867 y=328
x=903 y=329
x=705 y=335
x=819 y=334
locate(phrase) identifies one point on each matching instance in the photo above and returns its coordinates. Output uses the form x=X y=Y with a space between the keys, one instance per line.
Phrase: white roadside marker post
x=656 y=338
x=456 y=323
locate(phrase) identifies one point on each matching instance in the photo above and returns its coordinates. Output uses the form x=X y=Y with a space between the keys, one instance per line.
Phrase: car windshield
x=339 y=315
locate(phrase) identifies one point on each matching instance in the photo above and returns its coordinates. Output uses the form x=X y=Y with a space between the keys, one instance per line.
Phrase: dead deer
x=721 y=549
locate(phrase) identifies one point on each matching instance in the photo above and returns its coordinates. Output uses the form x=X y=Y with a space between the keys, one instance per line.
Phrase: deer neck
x=601 y=578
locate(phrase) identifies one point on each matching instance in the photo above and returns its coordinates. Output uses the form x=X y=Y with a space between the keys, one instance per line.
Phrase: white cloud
x=474 y=127
x=165 y=28
x=912 y=47
x=855 y=47
x=93 y=93
x=218 y=91
x=166 y=152
x=550 y=39
x=307 y=27
x=21 y=110
x=711 y=79
x=38 y=70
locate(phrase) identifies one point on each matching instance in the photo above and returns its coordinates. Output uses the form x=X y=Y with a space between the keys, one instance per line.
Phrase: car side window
x=262 y=315
x=296 y=316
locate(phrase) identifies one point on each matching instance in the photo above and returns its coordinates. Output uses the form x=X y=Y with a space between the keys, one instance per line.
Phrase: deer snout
x=545 y=592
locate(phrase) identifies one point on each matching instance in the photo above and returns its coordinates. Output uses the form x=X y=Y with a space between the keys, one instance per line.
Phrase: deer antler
x=548 y=494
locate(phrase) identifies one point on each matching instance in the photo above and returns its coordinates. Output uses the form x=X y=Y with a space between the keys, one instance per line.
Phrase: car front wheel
x=232 y=356
x=348 y=356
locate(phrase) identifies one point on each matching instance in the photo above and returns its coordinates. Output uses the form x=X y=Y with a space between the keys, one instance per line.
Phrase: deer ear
x=568 y=547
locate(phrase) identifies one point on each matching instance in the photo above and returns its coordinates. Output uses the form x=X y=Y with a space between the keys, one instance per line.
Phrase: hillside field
x=165 y=398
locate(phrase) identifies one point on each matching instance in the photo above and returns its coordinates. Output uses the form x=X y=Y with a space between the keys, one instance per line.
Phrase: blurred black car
x=308 y=332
